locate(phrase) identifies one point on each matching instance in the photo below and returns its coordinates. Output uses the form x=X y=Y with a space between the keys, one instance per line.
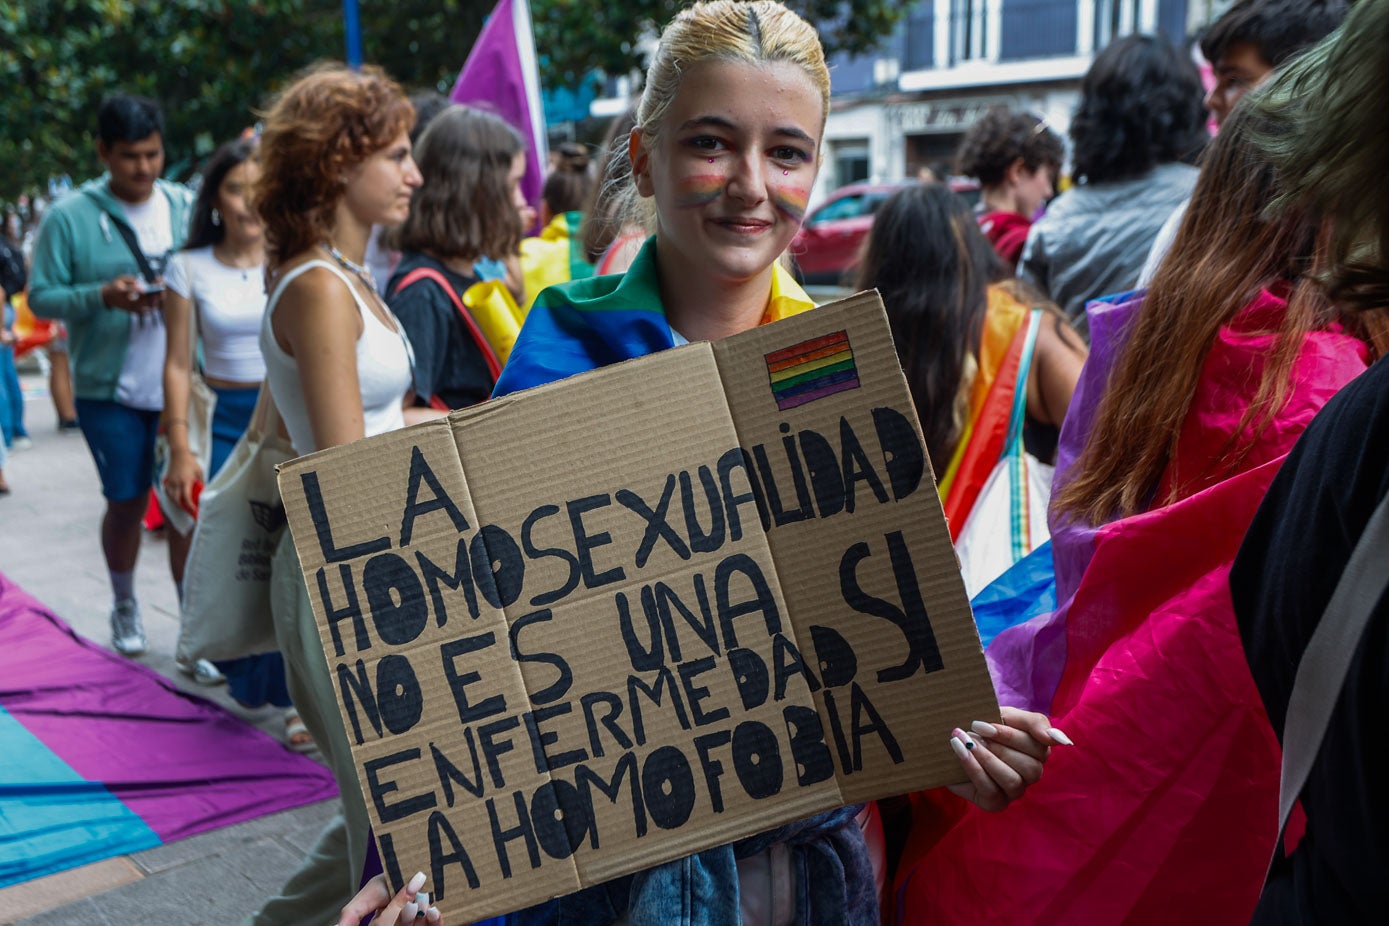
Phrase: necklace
x=231 y=263
x=364 y=275
x=362 y=272
x=236 y=260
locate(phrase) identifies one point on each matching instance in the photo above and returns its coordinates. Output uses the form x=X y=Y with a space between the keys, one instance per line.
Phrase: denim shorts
x=122 y=444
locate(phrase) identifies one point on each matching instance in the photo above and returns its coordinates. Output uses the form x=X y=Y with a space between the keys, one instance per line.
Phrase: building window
x=969 y=25
x=920 y=52
x=851 y=161
x=1115 y=18
x=1038 y=29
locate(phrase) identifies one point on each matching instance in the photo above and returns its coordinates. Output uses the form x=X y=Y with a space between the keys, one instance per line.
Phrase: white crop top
x=229 y=302
x=383 y=369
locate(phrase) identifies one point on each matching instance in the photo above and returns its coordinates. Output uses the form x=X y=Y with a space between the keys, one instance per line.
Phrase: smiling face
x=378 y=190
x=731 y=169
x=240 y=221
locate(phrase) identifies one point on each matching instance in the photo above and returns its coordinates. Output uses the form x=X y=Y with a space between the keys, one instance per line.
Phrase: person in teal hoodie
x=86 y=271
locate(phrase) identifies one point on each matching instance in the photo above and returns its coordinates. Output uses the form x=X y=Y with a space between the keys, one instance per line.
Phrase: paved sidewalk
x=49 y=546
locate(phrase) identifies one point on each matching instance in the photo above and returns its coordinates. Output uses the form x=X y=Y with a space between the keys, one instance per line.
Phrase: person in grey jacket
x=86 y=273
x=1140 y=114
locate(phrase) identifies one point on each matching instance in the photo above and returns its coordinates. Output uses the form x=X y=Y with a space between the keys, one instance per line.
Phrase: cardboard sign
x=622 y=618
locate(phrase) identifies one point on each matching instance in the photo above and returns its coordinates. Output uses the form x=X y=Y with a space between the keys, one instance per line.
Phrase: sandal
x=297 y=736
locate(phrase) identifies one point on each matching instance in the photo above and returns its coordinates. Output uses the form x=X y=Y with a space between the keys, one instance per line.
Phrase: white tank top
x=383 y=368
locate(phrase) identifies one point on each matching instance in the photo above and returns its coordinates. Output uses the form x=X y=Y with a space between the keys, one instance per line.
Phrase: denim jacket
x=834 y=883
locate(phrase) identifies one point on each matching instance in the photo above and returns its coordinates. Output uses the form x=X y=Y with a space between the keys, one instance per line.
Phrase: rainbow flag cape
x=100 y=756
x=30 y=331
x=590 y=323
x=1164 y=809
x=990 y=405
x=555 y=256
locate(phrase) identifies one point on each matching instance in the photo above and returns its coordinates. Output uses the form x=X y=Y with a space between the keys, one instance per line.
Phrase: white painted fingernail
x=984 y=729
x=422 y=901
x=409 y=912
x=1060 y=737
x=415 y=884
x=959 y=746
x=433 y=915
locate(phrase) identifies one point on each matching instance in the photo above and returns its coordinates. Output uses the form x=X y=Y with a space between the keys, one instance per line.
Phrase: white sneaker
x=202 y=671
x=127 y=631
x=22 y=442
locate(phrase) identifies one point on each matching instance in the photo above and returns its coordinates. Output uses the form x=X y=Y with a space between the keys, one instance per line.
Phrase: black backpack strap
x=128 y=236
x=1321 y=673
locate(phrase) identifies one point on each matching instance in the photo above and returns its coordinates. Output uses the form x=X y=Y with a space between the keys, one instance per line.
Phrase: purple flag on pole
x=501 y=75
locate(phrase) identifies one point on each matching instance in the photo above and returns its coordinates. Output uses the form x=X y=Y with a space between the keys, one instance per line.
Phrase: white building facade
x=908 y=106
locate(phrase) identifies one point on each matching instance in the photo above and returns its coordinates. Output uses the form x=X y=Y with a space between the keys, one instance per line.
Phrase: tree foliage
x=214 y=63
x=211 y=64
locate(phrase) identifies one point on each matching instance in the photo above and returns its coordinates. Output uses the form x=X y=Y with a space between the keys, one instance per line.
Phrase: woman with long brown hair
x=1261 y=285
x=1191 y=398
x=974 y=346
x=612 y=235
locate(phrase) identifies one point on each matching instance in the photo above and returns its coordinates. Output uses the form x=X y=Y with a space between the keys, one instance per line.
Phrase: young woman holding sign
x=726 y=150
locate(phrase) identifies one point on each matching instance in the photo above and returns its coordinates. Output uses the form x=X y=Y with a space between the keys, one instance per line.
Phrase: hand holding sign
x=647 y=611
x=406 y=908
x=1003 y=760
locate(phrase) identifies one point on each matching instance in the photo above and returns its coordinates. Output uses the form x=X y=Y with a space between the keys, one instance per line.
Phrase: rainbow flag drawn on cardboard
x=812 y=370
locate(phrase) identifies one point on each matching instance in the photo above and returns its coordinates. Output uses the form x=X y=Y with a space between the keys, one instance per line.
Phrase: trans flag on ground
x=100 y=756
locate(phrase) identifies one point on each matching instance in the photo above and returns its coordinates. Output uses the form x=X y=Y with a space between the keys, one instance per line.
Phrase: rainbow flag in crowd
x=501 y=75
x=554 y=256
x=100 y=756
x=598 y=321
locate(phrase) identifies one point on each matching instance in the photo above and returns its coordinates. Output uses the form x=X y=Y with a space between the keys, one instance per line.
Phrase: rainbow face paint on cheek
x=790 y=201
x=699 y=190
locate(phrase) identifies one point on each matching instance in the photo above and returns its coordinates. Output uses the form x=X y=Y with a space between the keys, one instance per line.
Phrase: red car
x=827 y=246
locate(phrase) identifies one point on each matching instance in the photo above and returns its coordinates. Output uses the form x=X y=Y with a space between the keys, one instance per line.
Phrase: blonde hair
x=728 y=30
x=755 y=32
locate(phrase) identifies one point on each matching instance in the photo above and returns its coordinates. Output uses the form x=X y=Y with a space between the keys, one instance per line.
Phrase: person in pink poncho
x=1192 y=397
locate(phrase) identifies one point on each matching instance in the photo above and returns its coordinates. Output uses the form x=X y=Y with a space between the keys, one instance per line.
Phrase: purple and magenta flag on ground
x=100 y=756
x=501 y=75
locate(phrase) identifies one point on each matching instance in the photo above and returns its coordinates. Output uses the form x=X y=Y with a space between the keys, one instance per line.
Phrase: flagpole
x=352 y=26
